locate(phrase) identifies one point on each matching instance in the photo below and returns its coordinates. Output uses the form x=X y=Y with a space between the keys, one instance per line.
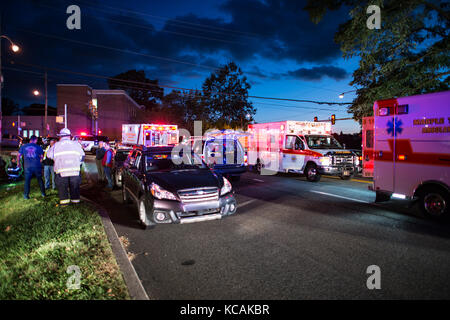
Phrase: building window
x=36 y=133
x=25 y=133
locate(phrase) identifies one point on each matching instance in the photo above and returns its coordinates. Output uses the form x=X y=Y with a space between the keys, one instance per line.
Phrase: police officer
x=68 y=156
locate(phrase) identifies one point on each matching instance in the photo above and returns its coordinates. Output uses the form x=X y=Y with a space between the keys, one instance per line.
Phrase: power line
x=117 y=49
x=144 y=54
x=181 y=88
x=153 y=29
x=181 y=22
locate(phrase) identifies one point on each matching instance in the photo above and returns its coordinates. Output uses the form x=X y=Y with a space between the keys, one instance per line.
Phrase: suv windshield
x=322 y=142
x=165 y=162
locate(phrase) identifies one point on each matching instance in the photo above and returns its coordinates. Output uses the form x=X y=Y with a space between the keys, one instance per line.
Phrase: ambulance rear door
x=385 y=131
x=367 y=146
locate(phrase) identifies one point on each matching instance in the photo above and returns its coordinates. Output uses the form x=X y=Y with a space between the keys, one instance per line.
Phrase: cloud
x=277 y=31
x=317 y=73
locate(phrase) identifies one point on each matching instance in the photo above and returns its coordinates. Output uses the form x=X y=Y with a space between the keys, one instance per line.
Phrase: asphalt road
x=290 y=239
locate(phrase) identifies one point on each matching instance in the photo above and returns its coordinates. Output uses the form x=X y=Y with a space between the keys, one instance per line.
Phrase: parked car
x=89 y=142
x=174 y=188
x=224 y=155
x=120 y=156
x=11 y=141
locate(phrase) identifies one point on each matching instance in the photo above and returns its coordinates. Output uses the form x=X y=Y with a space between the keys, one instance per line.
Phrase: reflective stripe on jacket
x=68 y=156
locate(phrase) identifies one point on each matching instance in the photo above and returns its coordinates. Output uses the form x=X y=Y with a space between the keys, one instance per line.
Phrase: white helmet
x=64 y=132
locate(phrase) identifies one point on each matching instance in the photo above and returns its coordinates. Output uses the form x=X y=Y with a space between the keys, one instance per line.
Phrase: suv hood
x=185 y=179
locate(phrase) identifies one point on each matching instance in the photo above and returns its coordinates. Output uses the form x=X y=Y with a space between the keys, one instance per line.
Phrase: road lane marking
x=357 y=180
x=337 y=196
x=245 y=203
x=259 y=180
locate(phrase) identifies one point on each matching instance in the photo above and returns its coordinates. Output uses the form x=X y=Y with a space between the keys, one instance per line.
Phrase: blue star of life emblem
x=394 y=129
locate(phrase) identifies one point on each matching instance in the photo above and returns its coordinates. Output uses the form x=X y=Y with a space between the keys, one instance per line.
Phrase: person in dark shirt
x=108 y=164
x=32 y=156
x=99 y=154
x=48 y=168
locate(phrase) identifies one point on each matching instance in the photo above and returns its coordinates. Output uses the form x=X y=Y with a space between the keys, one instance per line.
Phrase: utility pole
x=46 y=105
x=1 y=79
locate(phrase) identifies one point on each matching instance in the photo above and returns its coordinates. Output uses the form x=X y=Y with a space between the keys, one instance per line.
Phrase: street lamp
x=36 y=92
x=14 y=48
x=341 y=96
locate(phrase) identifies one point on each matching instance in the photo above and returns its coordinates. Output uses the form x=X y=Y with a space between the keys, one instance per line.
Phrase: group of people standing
x=104 y=157
x=62 y=162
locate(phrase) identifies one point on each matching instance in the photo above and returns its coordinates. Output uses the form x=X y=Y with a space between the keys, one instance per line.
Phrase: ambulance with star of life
x=412 y=151
x=149 y=135
x=303 y=147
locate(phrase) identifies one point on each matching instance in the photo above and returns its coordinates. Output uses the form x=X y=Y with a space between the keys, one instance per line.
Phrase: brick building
x=114 y=108
x=30 y=125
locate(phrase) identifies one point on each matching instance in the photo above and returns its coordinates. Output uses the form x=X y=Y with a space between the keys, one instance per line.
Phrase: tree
x=186 y=107
x=225 y=93
x=9 y=107
x=407 y=56
x=144 y=91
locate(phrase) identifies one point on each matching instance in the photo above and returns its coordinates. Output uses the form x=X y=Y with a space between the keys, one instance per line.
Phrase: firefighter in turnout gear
x=68 y=156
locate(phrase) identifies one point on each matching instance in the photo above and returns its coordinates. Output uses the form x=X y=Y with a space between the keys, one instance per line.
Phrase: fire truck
x=301 y=147
x=149 y=135
x=367 y=147
x=412 y=151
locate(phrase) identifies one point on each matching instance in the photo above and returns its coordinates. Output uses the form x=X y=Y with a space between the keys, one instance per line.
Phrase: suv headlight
x=325 y=161
x=161 y=193
x=356 y=158
x=226 y=187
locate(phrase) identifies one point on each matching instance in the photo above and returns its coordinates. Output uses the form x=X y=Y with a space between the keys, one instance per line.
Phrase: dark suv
x=172 y=187
x=224 y=155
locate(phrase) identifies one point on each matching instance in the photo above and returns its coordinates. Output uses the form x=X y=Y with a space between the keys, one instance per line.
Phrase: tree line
x=222 y=102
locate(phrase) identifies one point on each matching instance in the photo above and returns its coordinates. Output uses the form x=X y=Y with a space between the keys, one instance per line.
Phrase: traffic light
x=333 y=119
x=316 y=119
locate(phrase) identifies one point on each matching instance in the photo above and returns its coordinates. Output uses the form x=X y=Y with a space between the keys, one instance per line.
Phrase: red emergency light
x=83 y=133
x=99 y=131
x=401 y=157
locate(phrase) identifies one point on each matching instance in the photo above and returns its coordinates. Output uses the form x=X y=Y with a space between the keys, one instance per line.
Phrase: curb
x=134 y=285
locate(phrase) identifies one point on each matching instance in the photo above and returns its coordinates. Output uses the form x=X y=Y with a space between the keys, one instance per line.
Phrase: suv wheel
x=125 y=196
x=258 y=166
x=311 y=173
x=142 y=211
x=117 y=181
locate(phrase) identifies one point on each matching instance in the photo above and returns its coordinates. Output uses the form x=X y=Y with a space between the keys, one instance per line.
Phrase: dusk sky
x=282 y=53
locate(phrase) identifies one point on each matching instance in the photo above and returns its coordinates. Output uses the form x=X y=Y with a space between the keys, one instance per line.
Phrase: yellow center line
x=356 y=180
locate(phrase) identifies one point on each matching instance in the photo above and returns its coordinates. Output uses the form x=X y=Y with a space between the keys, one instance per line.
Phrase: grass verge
x=39 y=240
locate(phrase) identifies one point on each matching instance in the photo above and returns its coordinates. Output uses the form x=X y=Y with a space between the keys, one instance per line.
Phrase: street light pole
x=46 y=105
x=14 y=48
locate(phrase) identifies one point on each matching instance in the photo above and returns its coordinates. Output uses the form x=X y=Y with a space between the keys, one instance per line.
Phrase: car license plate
x=346 y=173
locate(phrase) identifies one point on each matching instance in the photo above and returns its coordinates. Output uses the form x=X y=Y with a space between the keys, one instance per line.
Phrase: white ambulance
x=299 y=146
x=412 y=150
x=149 y=135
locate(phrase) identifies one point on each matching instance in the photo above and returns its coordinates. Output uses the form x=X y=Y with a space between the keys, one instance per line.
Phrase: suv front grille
x=343 y=160
x=199 y=194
